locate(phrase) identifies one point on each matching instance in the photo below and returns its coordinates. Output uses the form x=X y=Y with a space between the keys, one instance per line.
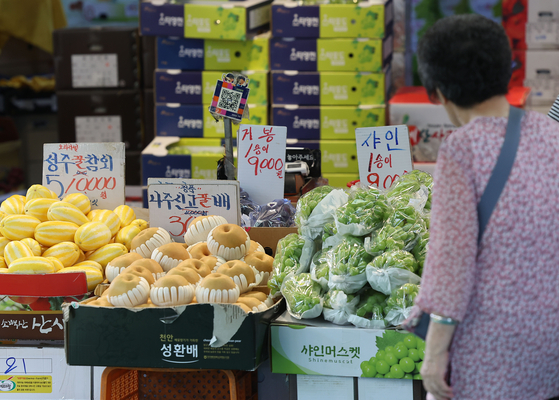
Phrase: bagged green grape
x=413 y=188
x=302 y=295
x=391 y=270
x=316 y=208
x=293 y=255
x=369 y=313
x=338 y=306
x=320 y=268
x=420 y=251
x=329 y=234
x=348 y=261
x=364 y=212
x=399 y=303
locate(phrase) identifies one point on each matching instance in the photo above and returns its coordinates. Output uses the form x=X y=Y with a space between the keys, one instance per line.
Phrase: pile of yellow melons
x=39 y=234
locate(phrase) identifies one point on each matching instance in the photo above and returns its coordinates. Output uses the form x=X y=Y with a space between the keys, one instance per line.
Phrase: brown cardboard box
x=269 y=237
x=96 y=57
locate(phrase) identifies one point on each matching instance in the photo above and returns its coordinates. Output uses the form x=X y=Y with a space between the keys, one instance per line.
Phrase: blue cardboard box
x=161 y=19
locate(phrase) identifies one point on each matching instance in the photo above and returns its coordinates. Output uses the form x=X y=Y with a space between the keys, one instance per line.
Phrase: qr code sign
x=229 y=100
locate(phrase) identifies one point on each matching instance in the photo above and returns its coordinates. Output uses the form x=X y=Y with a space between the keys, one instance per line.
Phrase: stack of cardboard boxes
x=330 y=74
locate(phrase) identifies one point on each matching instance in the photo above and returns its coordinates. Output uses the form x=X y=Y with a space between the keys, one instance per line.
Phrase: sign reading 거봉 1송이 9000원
x=174 y=203
x=383 y=154
x=94 y=169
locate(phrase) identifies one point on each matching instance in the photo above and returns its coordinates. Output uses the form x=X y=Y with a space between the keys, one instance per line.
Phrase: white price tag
x=94 y=70
x=98 y=129
x=260 y=158
x=383 y=154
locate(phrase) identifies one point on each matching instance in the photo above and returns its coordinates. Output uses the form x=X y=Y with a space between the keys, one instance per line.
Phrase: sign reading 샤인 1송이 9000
x=383 y=154
x=94 y=169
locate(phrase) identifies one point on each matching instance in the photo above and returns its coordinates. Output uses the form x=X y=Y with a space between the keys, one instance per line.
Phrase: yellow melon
x=56 y=263
x=89 y=263
x=80 y=200
x=13 y=205
x=3 y=263
x=64 y=211
x=18 y=226
x=92 y=214
x=39 y=192
x=3 y=242
x=125 y=213
x=107 y=253
x=2 y=215
x=109 y=218
x=15 y=250
x=126 y=234
x=140 y=223
x=93 y=275
x=33 y=245
x=31 y=265
x=38 y=208
x=67 y=252
x=92 y=236
x=50 y=233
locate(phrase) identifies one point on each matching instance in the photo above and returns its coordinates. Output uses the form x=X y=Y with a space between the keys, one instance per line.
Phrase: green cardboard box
x=225 y=55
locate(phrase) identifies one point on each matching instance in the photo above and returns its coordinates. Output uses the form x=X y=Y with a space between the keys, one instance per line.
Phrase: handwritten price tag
x=174 y=203
x=261 y=166
x=383 y=154
x=94 y=169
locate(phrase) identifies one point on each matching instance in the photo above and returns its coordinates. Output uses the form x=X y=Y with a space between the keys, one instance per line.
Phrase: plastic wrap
x=391 y=270
x=328 y=234
x=275 y=214
x=399 y=304
x=302 y=296
x=369 y=312
x=338 y=306
x=364 y=212
x=320 y=269
x=293 y=255
x=348 y=261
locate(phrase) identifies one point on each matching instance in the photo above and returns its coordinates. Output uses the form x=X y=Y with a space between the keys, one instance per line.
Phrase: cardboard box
x=329 y=88
x=542 y=75
x=542 y=27
x=196 y=121
x=210 y=54
x=337 y=156
x=205 y=19
x=96 y=57
x=327 y=122
x=357 y=54
x=198 y=87
x=370 y=19
x=100 y=116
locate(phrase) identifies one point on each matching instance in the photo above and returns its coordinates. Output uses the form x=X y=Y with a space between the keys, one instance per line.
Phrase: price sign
x=260 y=158
x=383 y=154
x=174 y=203
x=94 y=169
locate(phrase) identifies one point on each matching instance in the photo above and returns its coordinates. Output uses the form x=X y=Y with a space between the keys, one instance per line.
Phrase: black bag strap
x=501 y=172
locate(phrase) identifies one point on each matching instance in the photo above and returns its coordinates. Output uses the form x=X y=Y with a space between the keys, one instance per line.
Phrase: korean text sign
x=383 y=154
x=174 y=203
x=94 y=169
x=261 y=166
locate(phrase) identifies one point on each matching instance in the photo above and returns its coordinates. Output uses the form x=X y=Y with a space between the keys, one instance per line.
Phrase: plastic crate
x=212 y=384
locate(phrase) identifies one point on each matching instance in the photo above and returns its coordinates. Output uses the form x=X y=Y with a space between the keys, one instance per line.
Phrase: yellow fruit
x=15 y=250
x=107 y=253
x=126 y=214
x=93 y=275
x=3 y=242
x=64 y=211
x=52 y=232
x=140 y=223
x=2 y=215
x=89 y=263
x=17 y=227
x=39 y=192
x=126 y=234
x=56 y=263
x=3 y=263
x=38 y=208
x=80 y=200
x=33 y=245
x=92 y=214
x=92 y=235
x=67 y=252
x=13 y=205
x=109 y=218
x=31 y=265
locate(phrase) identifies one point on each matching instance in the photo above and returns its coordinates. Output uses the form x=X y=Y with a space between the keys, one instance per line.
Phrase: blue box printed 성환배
x=180 y=53
x=184 y=87
x=181 y=121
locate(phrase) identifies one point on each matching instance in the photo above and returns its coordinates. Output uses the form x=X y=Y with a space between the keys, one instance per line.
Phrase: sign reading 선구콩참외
x=383 y=154
x=94 y=169
x=261 y=158
x=174 y=203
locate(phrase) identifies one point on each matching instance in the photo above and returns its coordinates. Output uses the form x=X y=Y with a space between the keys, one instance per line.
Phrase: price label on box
x=174 y=203
x=383 y=154
x=261 y=167
x=94 y=169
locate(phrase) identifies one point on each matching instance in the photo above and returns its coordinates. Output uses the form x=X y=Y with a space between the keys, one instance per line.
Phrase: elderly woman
x=494 y=330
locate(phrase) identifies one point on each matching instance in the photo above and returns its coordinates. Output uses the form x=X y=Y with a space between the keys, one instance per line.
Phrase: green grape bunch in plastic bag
x=396 y=259
x=369 y=312
x=419 y=251
x=320 y=268
x=338 y=306
x=308 y=202
x=391 y=270
x=348 y=262
x=287 y=260
x=365 y=212
x=303 y=296
x=399 y=303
